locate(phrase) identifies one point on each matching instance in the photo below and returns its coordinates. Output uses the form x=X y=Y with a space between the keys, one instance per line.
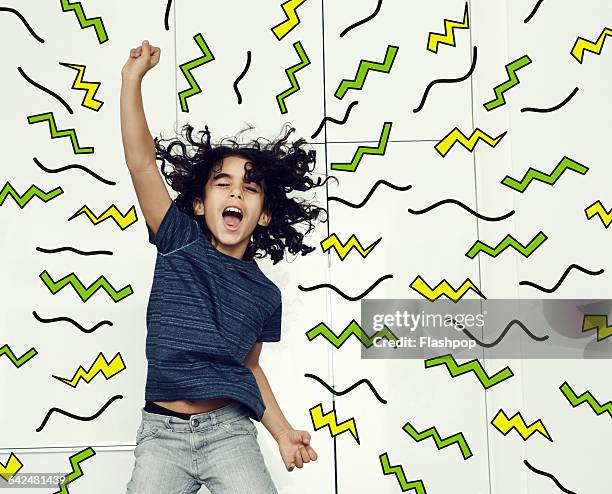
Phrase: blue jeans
x=218 y=449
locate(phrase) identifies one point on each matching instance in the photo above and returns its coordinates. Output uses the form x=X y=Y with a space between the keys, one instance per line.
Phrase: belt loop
x=213 y=419
x=167 y=422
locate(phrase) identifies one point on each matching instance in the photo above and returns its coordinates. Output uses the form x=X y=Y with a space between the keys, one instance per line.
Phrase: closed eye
x=249 y=188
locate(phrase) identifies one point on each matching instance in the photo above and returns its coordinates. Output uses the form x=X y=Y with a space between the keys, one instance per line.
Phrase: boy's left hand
x=295 y=449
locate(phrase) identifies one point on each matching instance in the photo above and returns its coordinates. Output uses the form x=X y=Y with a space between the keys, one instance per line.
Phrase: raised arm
x=138 y=145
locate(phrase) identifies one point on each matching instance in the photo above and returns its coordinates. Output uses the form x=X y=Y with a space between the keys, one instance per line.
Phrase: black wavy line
x=239 y=78
x=552 y=108
x=167 y=15
x=504 y=332
x=467 y=208
x=535 y=9
x=76 y=251
x=350 y=388
x=48 y=91
x=558 y=284
x=363 y=21
x=334 y=120
x=447 y=81
x=379 y=182
x=23 y=19
x=72 y=321
x=341 y=293
x=550 y=476
x=75 y=165
x=77 y=417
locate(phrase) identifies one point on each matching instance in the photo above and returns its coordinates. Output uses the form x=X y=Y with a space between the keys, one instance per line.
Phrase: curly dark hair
x=278 y=167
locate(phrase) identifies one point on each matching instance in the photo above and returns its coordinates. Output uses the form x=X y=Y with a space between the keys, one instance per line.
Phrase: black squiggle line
x=167 y=15
x=550 y=476
x=67 y=167
x=504 y=332
x=72 y=321
x=350 y=388
x=558 y=284
x=447 y=81
x=379 y=182
x=467 y=208
x=77 y=417
x=535 y=9
x=363 y=21
x=334 y=120
x=341 y=293
x=552 y=108
x=76 y=251
x=23 y=19
x=48 y=91
x=239 y=78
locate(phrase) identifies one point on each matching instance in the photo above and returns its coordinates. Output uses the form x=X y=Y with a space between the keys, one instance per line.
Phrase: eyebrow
x=221 y=175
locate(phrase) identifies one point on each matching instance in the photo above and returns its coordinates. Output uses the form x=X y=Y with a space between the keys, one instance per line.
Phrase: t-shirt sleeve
x=176 y=230
x=272 y=327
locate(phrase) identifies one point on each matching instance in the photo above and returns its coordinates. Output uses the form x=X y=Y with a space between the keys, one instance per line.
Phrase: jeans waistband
x=199 y=421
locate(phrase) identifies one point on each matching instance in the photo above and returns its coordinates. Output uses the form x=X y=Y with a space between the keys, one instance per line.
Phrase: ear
x=264 y=218
x=198 y=206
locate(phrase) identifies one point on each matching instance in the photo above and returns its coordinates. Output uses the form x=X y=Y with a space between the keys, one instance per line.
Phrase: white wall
x=430 y=245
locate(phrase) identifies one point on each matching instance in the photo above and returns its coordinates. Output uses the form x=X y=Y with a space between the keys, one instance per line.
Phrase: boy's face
x=226 y=187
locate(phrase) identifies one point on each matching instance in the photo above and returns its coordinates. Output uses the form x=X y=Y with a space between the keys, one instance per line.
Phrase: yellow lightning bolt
x=13 y=465
x=448 y=38
x=504 y=425
x=344 y=249
x=443 y=288
x=599 y=322
x=597 y=209
x=583 y=45
x=290 y=6
x=123 y=221
x=329 y=419
x=100 y=365
x=455 y=135
x=91 y=88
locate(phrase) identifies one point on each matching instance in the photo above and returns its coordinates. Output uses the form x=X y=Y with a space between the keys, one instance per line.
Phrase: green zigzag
x=363 y=150
x=48 y=117
x=33 y=191
x=96 y=22
x=75 y=462
x=508 y=241
x=585 y=397
x=85 y=293
x=364 y=68
x=398 y=471
x=533 y=174
x=352 y=329
x=295 y=86
x=17 y=362
x=458 y=439
x=512 y=81
x=472 y=366
x=186 y=68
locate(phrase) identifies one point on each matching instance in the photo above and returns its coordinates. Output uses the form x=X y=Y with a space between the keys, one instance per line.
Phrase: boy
x=210 y=306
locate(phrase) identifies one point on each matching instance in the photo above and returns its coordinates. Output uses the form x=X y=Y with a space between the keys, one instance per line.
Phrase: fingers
x=304 y=454
x=298 y=459
x=311 y=453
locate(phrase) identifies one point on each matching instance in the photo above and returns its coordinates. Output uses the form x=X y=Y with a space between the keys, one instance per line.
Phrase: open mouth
x=232 y=217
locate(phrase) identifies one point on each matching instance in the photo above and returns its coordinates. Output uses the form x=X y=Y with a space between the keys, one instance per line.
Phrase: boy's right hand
x=142 y=59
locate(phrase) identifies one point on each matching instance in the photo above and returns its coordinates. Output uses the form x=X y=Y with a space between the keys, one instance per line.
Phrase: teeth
x=232 y=208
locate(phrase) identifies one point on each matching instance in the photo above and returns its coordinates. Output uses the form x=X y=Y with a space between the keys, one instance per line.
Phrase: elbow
x=253 y=365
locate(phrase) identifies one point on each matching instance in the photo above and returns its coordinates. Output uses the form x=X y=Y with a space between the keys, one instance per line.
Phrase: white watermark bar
x=33 y=480
x=486 y=328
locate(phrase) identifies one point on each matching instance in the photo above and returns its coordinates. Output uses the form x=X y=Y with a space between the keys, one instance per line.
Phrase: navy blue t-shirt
x=206 y=310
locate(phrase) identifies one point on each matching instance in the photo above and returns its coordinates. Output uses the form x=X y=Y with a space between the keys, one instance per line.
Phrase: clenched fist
x=141 y=60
